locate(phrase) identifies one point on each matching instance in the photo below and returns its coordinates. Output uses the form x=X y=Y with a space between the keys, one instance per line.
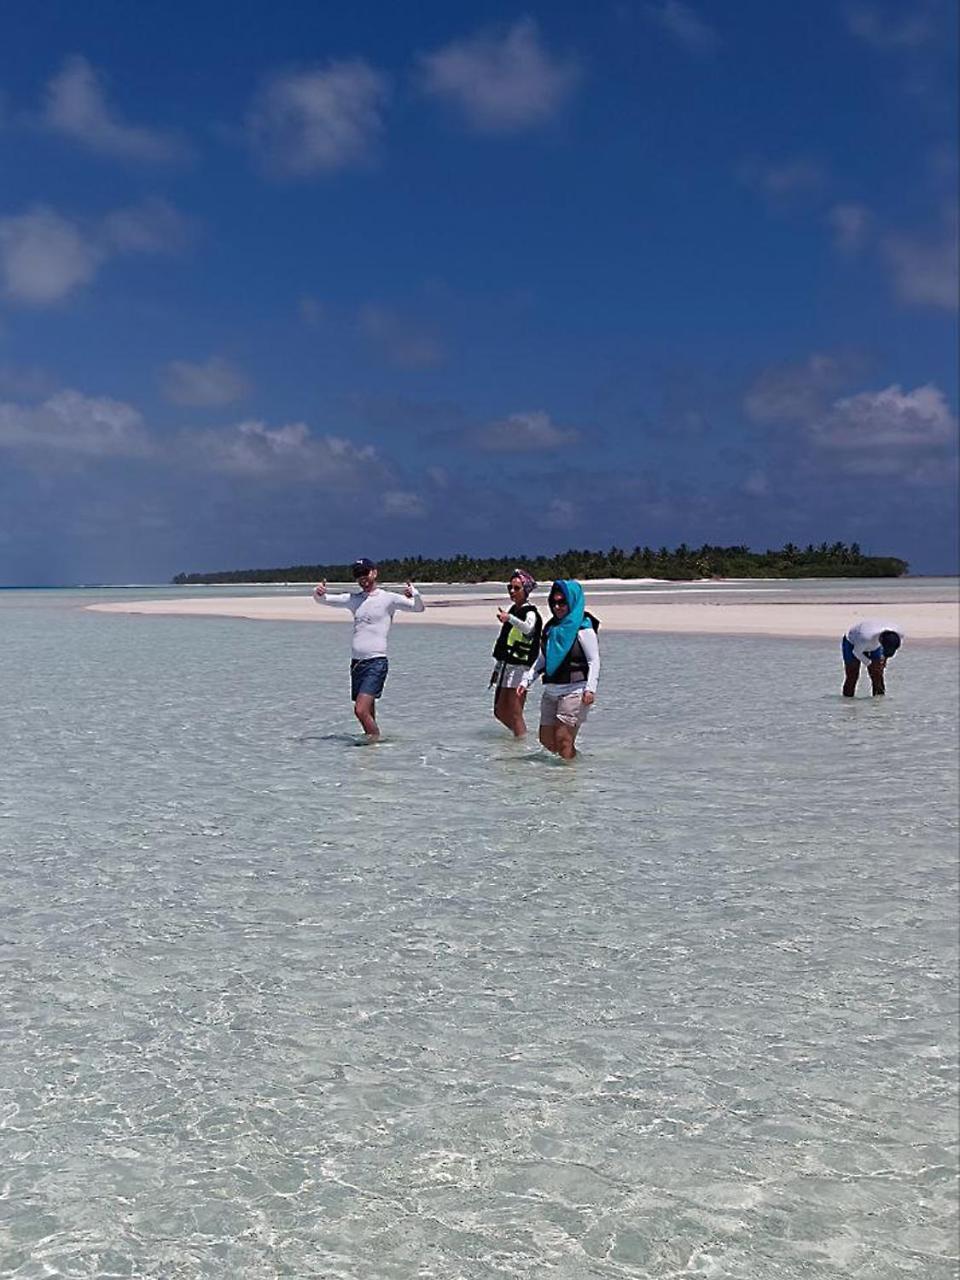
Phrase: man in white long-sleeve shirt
x=373 y=610
x=873 y=643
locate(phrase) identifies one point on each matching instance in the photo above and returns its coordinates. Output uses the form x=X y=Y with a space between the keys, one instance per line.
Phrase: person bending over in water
x=872 y=643
x=569 y=660
x=515 y=650
x=373 y=610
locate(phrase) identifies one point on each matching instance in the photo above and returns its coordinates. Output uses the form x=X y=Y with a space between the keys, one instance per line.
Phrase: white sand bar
x=637 y=613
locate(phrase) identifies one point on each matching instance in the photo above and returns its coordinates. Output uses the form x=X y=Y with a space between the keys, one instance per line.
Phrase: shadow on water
x=345 y=739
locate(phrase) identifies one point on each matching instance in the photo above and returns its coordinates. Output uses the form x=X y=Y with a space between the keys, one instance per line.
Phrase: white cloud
x=784 y=180
x=560 y=513
x=926 y=272
x=312 y=311
x=888 y=420
x=304 y=123
x=924 y=268
x=207 y=384
x=289 y=452
x=43 y=257
x=500 y=82
x=524 y=433
x=400 y=341
x=408 y=506
x=756 y=484
x=76 y=107
x=797 y=393
x=884 y=432
x=685 y=26
x=72 y=423
x=70 y=427
x=26 y=382
x=898 y=27
x=942 y=164
x=850 y=224
x=873 y=430
x=153 y=226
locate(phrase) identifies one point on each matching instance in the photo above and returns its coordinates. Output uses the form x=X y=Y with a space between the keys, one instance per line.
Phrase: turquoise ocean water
x=275 y=1004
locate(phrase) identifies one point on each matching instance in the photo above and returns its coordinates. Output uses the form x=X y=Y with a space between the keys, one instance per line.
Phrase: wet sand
x=729 y=615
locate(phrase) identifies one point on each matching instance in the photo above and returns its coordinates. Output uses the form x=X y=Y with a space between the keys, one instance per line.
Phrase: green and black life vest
x=512 y=645
x=574 y=667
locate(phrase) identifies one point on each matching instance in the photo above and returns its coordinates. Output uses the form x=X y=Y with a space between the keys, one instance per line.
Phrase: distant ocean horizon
x=193 y=587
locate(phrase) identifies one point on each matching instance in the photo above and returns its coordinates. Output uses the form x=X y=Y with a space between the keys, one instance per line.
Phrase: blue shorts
x=367 y=675
x=849 y=655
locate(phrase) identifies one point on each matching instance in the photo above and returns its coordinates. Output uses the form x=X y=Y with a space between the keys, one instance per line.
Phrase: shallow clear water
x=275 y=1004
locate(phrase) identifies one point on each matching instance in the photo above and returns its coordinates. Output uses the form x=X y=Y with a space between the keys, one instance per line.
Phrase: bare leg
x=548 y=737
x=508 y=708
x=500 y=707
x=566 y=738
x=876 y=677
x=365 y=709
x=853 y=675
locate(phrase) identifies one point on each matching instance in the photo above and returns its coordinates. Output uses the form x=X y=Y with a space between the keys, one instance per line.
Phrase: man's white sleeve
x=412 y=604
x=342 y=598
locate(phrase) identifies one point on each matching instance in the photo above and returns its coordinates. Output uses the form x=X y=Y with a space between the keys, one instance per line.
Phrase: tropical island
x=836 y=560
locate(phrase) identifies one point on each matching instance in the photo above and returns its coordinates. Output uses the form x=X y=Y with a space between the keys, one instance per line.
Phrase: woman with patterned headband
x=516 y=648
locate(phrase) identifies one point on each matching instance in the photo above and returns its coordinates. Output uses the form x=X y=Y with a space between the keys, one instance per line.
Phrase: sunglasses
x=514 y=586
x=557 y=602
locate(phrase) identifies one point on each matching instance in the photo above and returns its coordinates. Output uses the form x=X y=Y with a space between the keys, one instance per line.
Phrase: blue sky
x=293 y=283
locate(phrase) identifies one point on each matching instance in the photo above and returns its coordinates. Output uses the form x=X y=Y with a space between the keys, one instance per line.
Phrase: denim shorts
x=367 y=675
x=850 y=656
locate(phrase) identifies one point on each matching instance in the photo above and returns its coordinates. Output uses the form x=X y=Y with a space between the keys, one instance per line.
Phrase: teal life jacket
x=512 y=645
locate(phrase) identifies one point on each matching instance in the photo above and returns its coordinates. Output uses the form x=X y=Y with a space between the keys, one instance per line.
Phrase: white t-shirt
x=372 y=615
x=864 y=636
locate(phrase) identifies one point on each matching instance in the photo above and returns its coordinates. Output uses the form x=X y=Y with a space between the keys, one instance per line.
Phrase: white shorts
x=507 y=675
x=563 y=706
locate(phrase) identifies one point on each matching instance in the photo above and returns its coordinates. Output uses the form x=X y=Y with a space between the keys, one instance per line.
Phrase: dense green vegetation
x=824 y=561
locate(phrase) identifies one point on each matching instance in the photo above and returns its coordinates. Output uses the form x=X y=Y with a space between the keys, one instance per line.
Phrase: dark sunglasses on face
x=557 y=602
x=514 y=586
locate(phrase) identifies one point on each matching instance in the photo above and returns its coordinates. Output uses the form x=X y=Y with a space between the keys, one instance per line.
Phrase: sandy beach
x=724 y=612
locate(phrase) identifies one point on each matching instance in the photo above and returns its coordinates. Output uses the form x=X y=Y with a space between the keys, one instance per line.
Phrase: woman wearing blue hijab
x=569 y=662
